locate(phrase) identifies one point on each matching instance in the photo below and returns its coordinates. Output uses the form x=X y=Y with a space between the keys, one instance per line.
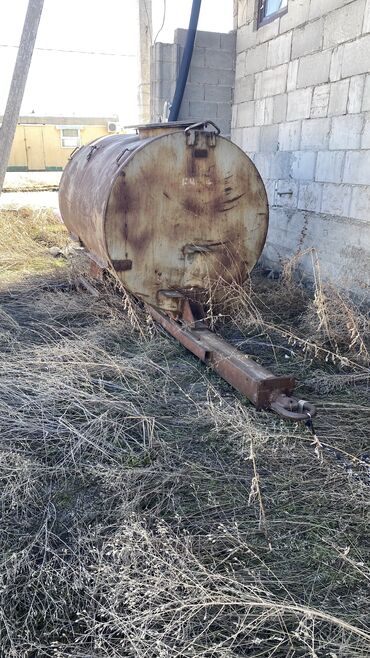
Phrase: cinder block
x=269 y=107
x=225 y=77
x=336 y=64
x=346 y=132
x=201 y=109
x=269 y=184
x=314 y=69
x=286 y=193
x=245 y=11
x=167 y=90
x=279 y=108
x=320 y=8
x=234 y=117
x=239 y=65
x=263 y=111
x=218 y=59
x=262 y=162
x=355 y=94
x=259 y=112
x=278 y=220
x=320 y=101
x=280 y=165
x=237 y=136
x=279 y=50
x=343 y=24
x=219 y=93
x=329 y=166
x=164 y=71
x=198 y=57
x=299 y=104
x=202 y=75
x=357 y=168
x=309 y=197
x=245 y=38
x=366 y=96
x=336 y=199
x=307 y=39
x=303 y=165
x=203 y=39
x=256 y=59
x=251 y=139
x=338 y=97
x=269 y=139
x=180 y=36
x=366 y=24
x=245 y=114
x=297 y=15
x=244 y=89
x=360 y=203
x=194 y=92
x=356 y=57
x=292 y=75
x=271 y=82
x=224 y=111
x=289 y=136
x=165 y=52
x=315 y=134
x=266 y=32
x=298 y=229
x=241 y=12
x=228 y=41
x=223 y=124
x=185 y=113
x=365 y=139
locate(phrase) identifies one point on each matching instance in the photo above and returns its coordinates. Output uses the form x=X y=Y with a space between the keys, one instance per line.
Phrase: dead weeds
x=148 y=510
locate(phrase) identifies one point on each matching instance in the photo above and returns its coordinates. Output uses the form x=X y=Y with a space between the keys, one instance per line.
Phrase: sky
x=75 y=83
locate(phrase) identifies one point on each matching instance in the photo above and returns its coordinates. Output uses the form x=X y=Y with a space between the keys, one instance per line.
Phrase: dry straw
x=146 y=509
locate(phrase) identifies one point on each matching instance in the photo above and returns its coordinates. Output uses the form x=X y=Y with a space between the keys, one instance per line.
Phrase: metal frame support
x=264 y=389
x=259 y=385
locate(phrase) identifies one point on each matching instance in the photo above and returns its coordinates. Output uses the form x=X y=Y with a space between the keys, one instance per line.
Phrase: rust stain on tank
x=141 y=199
x=193 y=205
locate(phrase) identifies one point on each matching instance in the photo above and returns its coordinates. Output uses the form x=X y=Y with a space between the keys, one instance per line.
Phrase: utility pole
x=18 y=83
x=145 y=43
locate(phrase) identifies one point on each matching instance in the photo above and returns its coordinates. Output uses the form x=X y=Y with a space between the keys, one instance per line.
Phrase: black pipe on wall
x=185 y=62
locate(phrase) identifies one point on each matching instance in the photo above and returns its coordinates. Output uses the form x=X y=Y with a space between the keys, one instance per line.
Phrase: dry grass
x=31 y=181
x=149 y=511
x=25 y=235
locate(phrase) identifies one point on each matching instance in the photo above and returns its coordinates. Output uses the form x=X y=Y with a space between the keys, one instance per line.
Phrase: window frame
x=262 y=19
x=77 y=137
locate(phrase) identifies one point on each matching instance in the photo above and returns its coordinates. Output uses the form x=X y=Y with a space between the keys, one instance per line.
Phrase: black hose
x=185 y=62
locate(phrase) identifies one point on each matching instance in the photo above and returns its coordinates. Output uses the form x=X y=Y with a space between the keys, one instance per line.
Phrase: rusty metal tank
x=171 y=210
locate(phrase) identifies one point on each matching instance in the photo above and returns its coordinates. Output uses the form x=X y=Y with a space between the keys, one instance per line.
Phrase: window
x=70 y=137
x=268 y=10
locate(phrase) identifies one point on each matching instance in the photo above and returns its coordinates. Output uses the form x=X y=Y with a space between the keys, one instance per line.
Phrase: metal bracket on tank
x=93 y=150
x=202 y=124
x=191 y=132
x=76 y=148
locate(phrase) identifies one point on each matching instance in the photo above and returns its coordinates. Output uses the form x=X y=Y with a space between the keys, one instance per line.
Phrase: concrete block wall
x=302 y=112
x=209 y=90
